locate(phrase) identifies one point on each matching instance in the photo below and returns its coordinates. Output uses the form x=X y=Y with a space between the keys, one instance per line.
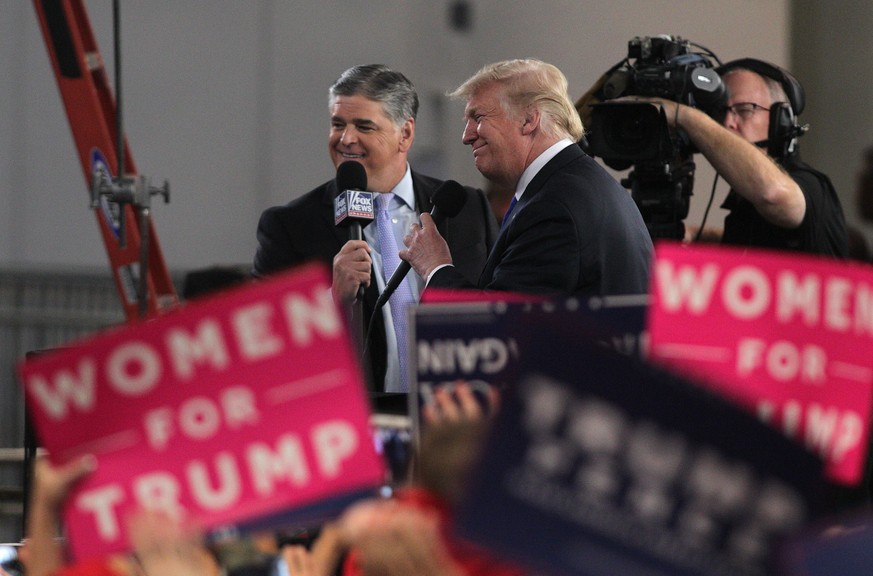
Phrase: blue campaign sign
x=840 y=548
x=467 y=341
x=599 y=464
x=478 y=341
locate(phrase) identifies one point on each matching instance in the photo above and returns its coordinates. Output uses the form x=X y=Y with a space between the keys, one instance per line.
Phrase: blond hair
x=530 y=82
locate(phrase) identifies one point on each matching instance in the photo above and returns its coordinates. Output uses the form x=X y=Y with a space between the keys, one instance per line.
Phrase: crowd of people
x=569 y=229
x=408 y=533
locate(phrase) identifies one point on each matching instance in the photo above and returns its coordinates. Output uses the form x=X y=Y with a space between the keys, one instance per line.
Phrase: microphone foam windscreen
x=351 y=175
x=449 y=198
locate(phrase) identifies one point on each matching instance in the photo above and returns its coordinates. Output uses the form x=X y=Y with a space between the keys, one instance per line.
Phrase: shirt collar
x=403 y=189
x=538 y=164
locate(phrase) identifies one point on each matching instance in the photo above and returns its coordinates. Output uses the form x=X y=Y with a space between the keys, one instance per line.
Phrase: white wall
x=832 y=57
x=227 y=100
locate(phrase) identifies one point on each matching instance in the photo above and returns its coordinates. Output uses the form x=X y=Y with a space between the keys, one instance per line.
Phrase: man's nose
x=349 y=135
x=470 y=133
x=730 y=120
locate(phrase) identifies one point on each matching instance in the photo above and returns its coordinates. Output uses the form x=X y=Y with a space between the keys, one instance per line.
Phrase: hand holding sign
x=227 y=410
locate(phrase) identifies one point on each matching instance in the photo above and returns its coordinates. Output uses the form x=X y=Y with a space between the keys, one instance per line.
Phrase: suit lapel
x=422 y=194
x=564 y=157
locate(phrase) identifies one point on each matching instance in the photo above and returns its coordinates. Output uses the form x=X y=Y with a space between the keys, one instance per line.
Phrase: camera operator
x=776 y=200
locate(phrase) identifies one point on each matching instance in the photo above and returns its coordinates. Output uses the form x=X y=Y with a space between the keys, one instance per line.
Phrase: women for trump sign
x=789 y=336
x=233 y=408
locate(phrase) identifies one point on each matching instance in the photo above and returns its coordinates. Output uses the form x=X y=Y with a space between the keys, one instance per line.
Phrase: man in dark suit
x=372 y=111
x=571 y=228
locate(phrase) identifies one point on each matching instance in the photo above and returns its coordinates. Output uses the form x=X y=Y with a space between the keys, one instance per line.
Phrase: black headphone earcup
x=782 y=130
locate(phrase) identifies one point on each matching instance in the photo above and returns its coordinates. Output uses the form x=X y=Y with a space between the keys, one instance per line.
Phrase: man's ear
x=531 y=120
x=407 y=134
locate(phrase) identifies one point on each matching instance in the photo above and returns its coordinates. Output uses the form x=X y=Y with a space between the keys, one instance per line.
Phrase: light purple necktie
x=402 y=297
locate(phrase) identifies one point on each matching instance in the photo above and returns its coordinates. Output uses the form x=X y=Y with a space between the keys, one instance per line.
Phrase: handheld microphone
x=353 y=205
x=448 y=200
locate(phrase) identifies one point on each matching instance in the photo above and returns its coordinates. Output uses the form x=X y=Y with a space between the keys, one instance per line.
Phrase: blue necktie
x=508 y=212
x=402 y=297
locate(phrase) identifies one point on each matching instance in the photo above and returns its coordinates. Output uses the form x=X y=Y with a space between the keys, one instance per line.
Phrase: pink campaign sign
x=237 y=407
x=788 y=336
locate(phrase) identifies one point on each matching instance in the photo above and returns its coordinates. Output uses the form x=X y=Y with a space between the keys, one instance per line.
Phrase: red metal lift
x=119 y=196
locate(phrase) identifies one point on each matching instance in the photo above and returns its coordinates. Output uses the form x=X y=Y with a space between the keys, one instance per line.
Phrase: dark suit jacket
x=303 y=230
x=575 y=231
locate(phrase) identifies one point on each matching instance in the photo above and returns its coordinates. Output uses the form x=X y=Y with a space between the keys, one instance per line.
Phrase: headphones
x=784 y=128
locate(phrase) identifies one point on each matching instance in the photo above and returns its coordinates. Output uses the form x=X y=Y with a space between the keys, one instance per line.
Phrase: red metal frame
x=91 y=111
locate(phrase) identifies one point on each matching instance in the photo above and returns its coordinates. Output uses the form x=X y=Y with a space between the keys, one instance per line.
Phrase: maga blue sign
x=600 y=464
x=478 y=342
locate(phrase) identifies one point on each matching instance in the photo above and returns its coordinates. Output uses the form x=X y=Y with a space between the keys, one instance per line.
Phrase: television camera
x=635 y=134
